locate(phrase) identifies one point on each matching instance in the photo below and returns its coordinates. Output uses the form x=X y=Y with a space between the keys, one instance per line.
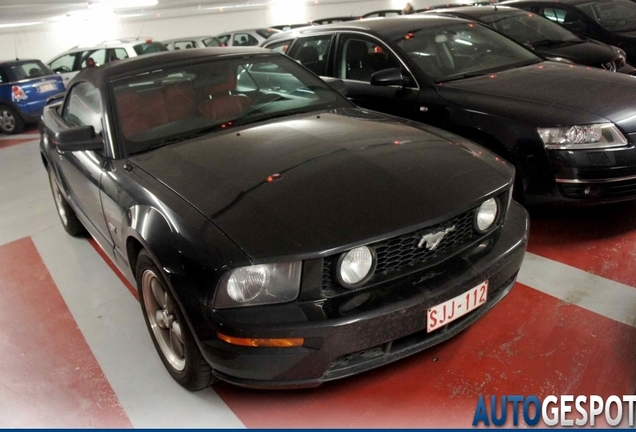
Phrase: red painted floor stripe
x=530 y=343
x=12 y=142
x=601 y=240
x=48 y=374
x=120 y=275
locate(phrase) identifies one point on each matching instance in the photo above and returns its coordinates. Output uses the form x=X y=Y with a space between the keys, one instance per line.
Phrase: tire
x=67 y=215
x=168 y=328
x=10 y=122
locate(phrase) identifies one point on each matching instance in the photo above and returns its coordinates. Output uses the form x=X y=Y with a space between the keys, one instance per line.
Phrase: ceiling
x=16 y=12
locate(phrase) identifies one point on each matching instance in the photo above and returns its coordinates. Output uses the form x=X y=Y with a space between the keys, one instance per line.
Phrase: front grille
x=400 y=255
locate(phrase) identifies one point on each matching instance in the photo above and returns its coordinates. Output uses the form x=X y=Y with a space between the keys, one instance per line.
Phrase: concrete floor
x=76 y=352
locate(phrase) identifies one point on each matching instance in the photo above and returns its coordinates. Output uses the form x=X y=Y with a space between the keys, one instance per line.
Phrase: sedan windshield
x=461 y=50
x=614 y=15
x=528 y=28
x=170 y=105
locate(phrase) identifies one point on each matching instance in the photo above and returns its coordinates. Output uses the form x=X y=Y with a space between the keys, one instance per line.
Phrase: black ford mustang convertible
x=279 y=236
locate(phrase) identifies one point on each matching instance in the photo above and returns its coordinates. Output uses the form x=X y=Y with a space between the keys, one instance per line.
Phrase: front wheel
x=10 y=122
x=67 y=215
x=169 y=330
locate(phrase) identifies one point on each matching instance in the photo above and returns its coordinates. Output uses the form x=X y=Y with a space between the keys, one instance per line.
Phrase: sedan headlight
x=486 y=215
x=259 y=284
x=355 y=267
x=596 y=136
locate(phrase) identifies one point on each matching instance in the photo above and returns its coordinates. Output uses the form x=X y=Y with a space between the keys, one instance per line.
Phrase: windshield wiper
x=548 y=42
x=463 y=76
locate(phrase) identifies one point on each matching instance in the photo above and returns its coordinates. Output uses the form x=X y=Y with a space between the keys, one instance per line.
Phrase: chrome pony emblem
x=433 y=240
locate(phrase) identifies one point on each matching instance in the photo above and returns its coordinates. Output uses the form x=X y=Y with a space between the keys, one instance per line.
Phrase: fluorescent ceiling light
x=121 y=4
x=8 y=25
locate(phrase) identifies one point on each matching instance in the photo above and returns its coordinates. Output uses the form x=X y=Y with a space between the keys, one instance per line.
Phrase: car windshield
x=267 y=33
x=149 y=48
x=27 y=70
x=173 y=104
x=614 y=15
x=528 y=28
x=461 y=50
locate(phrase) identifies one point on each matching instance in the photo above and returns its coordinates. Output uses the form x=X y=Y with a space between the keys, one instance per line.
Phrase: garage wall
x=45 y=41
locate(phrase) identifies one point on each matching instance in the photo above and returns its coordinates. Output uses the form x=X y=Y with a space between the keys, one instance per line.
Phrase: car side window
x=212 y=42
x=118 y=54
x=185 y=45
x=84 y=107
x=313 y=52
x=244 y=39
x=97 y=57
x=565 y=19
x=225 y=39
x=63 y=64
x=360 y=57
x=3 y=76
x=280 y=47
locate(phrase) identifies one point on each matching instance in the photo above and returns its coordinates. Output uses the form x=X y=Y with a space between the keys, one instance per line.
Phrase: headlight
x=560 y=60
x=596 y=136
x=486 y=215
x=259 y=284
x=355 y=267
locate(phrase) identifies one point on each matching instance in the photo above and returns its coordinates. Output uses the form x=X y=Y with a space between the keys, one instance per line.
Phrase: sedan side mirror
x=80 y=138
x=388 y=77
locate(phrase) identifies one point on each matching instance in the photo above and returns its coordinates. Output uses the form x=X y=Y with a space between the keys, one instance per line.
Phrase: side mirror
x=78 y=139
x=388 y=77
x=338 y=85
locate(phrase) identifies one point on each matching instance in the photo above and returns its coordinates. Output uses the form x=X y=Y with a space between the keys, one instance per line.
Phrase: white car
x=69 y=63
x=193 y=42
x=253 y=37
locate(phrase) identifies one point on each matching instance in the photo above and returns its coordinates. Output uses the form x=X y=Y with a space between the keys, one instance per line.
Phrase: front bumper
x=585 y=177
x=353 y=333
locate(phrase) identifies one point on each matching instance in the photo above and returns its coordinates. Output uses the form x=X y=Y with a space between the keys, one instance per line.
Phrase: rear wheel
x=169 y=330
x=10 y=121
x=67 y=215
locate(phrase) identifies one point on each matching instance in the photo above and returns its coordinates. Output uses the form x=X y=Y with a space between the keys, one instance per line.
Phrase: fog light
x=355 y=267
x=486 y=215
x=592 y=191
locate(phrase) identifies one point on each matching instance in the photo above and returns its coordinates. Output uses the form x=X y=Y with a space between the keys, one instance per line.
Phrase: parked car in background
x=288 y=27
x=545 y=37
x=609 y=21
x=69 y=63
x=193 y=42
x=253 y=37
x=383 y=13
x=569 y=131
x=333 y=20
x=25 y=85
x=279 y=236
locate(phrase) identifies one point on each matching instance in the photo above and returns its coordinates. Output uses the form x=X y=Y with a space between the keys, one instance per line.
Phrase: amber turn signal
x=250 y=342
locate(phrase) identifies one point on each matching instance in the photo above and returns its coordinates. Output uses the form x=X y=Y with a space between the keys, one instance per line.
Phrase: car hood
x=550 y=94
x=589 y=53
x=312 y=184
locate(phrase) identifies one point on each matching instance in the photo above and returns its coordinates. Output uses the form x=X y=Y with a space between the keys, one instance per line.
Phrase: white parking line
x=603 y=296
x=111 y=321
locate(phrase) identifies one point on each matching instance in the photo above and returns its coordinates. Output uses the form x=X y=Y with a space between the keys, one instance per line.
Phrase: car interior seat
x=309 y=57
x=222 y=102
x=358 y=61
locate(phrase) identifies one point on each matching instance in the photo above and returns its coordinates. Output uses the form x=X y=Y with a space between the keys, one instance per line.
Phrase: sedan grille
x=403 y=254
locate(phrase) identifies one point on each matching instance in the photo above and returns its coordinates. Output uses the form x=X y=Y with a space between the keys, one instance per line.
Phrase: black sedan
x=545 y=37
x=609 y=21
x=279 y=236
x=568 y=129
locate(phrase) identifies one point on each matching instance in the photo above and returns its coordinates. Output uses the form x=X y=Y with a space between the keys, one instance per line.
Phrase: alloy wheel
x=59 y=200
x=160 y=310
x=7 y=121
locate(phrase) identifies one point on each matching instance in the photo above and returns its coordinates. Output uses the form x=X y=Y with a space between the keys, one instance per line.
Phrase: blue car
x=25 y=85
